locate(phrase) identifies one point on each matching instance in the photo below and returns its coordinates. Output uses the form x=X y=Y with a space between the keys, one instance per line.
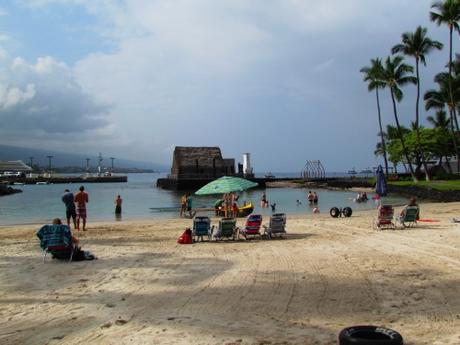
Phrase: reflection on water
x=142 y=200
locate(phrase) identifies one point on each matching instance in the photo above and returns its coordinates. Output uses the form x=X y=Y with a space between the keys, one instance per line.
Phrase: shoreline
x=130 y=220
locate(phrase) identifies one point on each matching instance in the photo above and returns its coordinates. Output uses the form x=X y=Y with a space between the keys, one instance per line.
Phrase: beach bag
x=186 y=237
x=81 y=255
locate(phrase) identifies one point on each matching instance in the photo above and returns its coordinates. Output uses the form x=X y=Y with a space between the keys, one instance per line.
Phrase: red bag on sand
x=186 y=237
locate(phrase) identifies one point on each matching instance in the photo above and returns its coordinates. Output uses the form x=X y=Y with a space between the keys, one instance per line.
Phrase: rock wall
x=5 y=190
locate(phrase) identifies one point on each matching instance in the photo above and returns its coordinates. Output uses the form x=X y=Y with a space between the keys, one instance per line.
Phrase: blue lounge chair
x=202 y=228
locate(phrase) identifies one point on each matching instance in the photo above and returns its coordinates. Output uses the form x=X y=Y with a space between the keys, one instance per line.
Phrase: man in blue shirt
x=68 y=200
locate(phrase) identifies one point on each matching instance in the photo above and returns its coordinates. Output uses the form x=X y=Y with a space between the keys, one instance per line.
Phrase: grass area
x=439 y=185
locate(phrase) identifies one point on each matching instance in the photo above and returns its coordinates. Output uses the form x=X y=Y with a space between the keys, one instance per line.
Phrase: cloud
x=258 y=76
x=45 y=97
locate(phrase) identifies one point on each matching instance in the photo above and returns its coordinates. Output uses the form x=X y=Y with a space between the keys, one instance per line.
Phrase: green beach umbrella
x=226 y=184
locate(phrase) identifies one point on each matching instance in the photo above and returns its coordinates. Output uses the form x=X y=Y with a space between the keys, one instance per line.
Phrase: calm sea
x=142 y=200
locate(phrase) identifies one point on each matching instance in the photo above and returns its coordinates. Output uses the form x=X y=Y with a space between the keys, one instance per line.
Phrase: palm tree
x=440 y=99
x=396 y=74
x=441 y=123
x=448 y=12
x=373 y=76
x=417 y=44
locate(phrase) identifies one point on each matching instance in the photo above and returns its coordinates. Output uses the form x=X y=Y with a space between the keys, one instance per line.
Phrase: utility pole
x=49 y=165
x=99 y=167
x=112 y=159
x=87 y=165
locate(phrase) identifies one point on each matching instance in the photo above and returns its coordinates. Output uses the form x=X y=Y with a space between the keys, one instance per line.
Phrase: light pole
x=99 y=167
x=31 y=165
x=112 y=159
x=87 y=164
x=49 y=165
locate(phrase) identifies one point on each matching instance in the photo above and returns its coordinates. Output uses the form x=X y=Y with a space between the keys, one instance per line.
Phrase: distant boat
x=19 y=183
x=366 y=171
x=352 y=171
x=42 y=182
x=269 y=175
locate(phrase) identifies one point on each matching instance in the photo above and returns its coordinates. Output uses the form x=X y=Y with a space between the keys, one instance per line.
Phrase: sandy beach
x=147 y=289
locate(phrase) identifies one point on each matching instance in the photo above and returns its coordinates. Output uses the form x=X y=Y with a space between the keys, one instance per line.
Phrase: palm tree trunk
x=454 y=138
x=402 y=138
x=453 y=115
x=419 y=146
x=449 y=168
x=381 y=132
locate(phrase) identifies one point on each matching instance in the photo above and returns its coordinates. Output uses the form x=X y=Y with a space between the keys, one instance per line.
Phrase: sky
x=134 y=78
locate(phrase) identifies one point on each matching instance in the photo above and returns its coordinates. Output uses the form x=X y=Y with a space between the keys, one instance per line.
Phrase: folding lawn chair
x=384 y=218
x=202 y=228
x=252 y=227
x=276 y=226
x=227 y=229
x=410 y=217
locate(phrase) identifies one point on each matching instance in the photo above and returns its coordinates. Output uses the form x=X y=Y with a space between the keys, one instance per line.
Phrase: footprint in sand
x=107 y=325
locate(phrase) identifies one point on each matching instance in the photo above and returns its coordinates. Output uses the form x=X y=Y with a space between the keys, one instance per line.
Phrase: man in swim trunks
x=81 y=199
x=118 y=202
x=68 y=200
x=183 y=205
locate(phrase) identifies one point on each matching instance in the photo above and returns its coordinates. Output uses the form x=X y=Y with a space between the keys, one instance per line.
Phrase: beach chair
x=276 y=226
x=227 y=229
x=410 y=217
x=252 y=227
x=57 y=240
x=202 y=228
x=384 y=218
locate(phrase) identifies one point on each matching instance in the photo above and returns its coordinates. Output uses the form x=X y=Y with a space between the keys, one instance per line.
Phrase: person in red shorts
x=81 y=199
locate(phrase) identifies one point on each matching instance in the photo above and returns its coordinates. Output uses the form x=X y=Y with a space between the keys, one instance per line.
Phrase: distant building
x=14 y=166
x=200 y=163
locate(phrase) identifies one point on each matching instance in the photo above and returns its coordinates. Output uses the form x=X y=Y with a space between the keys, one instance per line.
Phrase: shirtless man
x=81 y=199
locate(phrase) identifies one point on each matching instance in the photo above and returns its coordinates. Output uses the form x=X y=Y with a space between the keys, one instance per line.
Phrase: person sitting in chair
x=412 y=203
x=59 y=241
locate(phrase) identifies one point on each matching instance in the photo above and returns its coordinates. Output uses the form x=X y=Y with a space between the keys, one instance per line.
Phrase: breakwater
x=5 y=190
x=263 y=182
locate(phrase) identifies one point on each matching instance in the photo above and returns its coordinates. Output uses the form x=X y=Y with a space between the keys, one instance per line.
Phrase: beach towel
x=186 y=237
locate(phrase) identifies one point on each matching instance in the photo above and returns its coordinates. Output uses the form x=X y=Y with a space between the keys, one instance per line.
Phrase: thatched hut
x=201 y=163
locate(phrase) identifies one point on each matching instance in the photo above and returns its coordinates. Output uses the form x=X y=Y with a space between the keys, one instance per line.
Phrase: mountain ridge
x=62 y=159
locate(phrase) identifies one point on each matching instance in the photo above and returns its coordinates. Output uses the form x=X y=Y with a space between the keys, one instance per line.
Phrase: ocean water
x=142 y=200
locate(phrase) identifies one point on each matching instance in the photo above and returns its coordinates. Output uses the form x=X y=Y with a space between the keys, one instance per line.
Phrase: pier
x=63 y=179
